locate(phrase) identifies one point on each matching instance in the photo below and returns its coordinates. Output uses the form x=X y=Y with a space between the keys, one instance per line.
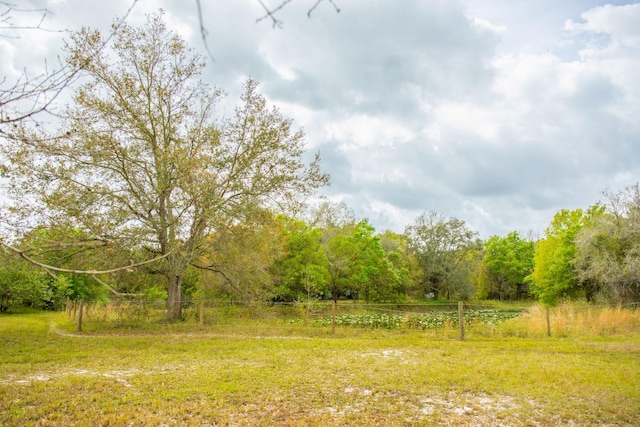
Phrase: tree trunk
x=174 y=303
x=591 y=289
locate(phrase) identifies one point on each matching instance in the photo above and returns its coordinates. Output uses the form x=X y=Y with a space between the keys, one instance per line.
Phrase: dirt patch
x=450 y=409
x=384 y=354
x=120 y=376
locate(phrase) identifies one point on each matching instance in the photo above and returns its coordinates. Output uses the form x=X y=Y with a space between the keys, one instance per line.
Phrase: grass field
x=266 y=373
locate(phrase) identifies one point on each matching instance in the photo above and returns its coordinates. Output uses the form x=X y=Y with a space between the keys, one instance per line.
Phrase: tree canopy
x=509 y=260
x=608 y=250
x=442 y=247
x=142 y=162
x=554 y=275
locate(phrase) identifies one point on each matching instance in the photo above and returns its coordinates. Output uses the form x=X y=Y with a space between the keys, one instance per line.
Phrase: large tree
x=142 y=163
x=301 y=272
x=444 y=249
x=554 y=275
x=404 y=262
x=337 y=222
x=371 y=275
x=608 y=249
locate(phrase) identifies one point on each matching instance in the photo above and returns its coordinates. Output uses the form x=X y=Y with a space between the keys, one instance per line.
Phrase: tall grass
x=574 y=320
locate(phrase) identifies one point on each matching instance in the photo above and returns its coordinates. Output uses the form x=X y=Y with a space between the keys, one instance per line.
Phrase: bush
x=422 y=321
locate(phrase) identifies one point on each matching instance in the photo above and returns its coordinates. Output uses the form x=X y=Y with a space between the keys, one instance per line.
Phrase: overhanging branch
x=213 y=269
x=120 y=294
x=47 y=267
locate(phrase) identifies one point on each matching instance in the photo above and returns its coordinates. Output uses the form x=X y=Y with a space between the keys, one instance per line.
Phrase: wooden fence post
x=548 y=323
x=333 y=317
x=80 y=315
x=201 y=312
x=461 y=319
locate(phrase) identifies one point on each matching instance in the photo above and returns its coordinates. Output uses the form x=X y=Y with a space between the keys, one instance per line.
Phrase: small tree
x=509 y=261
x=403 y=262
x=302 y=270
x=374 y=276
x=337 y=221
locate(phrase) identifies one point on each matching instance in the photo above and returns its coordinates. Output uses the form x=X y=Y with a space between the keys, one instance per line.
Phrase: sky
x=493 y=112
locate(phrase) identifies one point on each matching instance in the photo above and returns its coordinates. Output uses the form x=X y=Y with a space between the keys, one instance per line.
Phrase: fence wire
x=313 y=317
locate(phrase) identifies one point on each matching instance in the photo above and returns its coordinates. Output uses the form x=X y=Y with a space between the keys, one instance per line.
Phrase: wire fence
x=313 y=316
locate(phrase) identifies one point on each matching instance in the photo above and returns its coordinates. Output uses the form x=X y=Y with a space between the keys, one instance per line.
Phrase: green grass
x=265 y=372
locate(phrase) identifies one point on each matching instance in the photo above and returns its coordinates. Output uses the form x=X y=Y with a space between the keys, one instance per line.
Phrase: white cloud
x=369 y=132
x=618 y=23
x=472 y=118
x=486 y=25
x=498 y=113
x=7 y=68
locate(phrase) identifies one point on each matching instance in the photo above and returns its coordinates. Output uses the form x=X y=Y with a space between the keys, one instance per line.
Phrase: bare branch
x=41 y=91
x=203 y=31
x=271 y=13
x=316 y=5
x=8 y=24
x=230 y=282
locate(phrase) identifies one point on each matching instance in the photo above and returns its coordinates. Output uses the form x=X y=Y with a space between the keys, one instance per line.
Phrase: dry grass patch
x=571 y=320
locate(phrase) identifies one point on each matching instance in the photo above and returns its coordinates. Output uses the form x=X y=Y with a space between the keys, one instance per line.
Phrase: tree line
x=143 y=188
x=590 y=255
